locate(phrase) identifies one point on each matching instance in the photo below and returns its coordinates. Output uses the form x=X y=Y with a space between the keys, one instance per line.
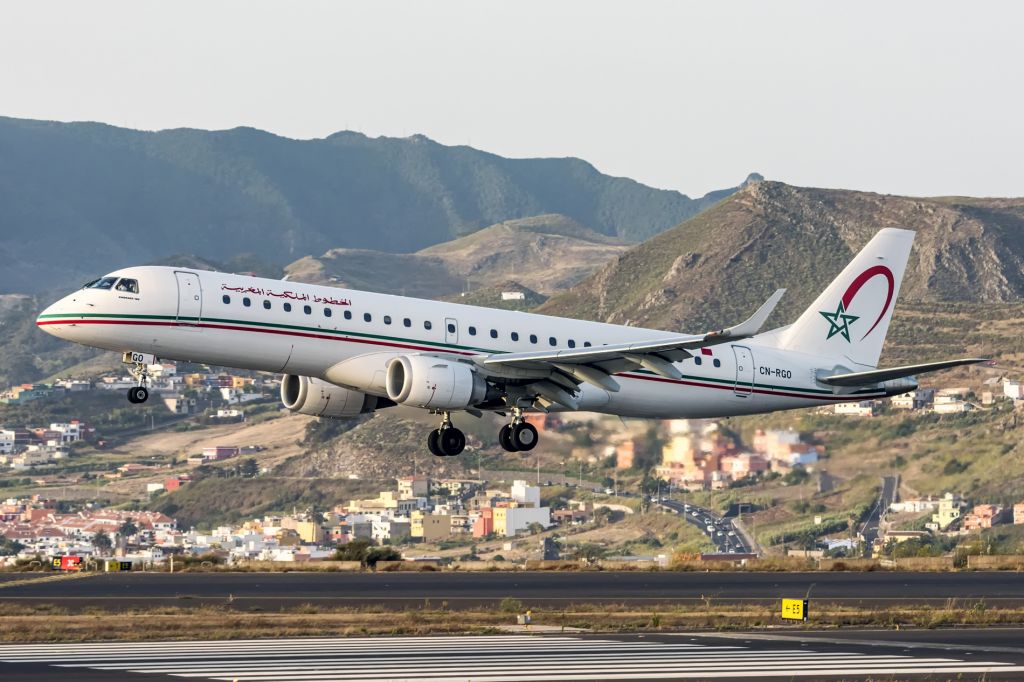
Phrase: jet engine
x=319 y=398
x=431 y=382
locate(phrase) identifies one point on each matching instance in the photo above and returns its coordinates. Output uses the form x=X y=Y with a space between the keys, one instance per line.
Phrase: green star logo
x=839 y=322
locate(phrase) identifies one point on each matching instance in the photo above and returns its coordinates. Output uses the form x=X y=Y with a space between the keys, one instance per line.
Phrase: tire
x=433 y=445
x=505 y=439
x=451 y=441
x=524 y=436
x=141 y=394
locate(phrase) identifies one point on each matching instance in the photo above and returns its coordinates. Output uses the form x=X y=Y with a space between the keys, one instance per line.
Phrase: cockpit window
x=101 y=283
x=129 y=285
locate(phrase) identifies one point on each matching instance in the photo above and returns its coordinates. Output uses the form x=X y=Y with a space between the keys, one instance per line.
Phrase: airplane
x=343 y=353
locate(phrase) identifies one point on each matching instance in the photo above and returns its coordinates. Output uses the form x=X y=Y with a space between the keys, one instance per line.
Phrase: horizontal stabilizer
x=877 y=376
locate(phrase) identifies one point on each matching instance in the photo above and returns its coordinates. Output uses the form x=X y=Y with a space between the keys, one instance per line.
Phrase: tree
x=128 y=529
x=375 y=554
x=588 y=551
x=101 y=541
x=250 y=468
x=603 y=516
x=535 y=528
x=9 y=546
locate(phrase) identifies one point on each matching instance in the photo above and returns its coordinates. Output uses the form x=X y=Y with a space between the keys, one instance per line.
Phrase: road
x=462 y=590
x=525 y=657
x=886 y=496
x=720 y=531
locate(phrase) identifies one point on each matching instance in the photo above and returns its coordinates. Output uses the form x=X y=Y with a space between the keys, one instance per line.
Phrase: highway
x=461 y=590
x=526 y=658
x=886 y=496
x=720 y=531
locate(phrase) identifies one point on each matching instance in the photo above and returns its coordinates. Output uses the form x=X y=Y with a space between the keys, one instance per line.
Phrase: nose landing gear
x=520 y=435
x=140 y=370
x=446 y=440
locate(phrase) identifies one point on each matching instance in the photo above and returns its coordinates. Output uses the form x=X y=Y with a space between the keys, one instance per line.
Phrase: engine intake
x=319 y=398
x=432 y=382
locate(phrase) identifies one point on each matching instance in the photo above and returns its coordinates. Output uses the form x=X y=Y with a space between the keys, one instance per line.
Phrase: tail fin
x=848 y=321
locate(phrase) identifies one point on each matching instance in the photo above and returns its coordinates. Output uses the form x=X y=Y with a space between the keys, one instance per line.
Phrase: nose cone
x=51 y=320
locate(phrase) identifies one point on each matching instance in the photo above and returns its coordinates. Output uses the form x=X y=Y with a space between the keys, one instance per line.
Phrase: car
x=732 y=533
x=711 y=529
x=693 y=513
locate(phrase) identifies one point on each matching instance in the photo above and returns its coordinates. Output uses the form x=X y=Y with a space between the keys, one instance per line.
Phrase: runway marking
x=522 y=658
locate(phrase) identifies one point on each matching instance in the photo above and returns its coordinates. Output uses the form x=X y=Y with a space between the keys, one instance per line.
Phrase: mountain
x=79 y=199
x=716 y=268
x=545 y=253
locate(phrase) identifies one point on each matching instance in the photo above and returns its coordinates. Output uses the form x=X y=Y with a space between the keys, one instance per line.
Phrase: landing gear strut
x=139 y=394
x=446 y=440
x=520 y=435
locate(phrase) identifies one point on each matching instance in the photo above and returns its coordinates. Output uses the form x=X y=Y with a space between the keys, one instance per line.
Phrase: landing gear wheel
x=432 y=443
x=451 y=441
x=505 y=438
x=138 y=394
x=524 y=436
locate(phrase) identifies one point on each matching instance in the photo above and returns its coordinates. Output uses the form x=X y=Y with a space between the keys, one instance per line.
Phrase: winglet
x=751 y=325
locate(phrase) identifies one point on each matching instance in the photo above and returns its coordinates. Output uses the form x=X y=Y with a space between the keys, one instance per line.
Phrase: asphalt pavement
x=458 y=589
x=526 y=657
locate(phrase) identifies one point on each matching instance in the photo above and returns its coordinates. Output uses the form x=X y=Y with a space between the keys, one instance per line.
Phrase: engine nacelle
x=432 y=382
x=319 y=398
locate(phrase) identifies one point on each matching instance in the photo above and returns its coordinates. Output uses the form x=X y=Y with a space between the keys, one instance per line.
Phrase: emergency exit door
x=190 y=298
x=744 y=371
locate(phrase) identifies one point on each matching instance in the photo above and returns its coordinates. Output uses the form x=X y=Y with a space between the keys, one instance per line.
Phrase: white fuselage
x=241 y=321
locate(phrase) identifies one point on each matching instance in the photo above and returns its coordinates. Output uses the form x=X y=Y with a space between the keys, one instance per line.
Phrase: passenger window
x=572 y=344
x=427 y=325
x=129 y=285
x=586 y=344
x=515 y=336
x=387 y=319
x=328 y=312
x=716 y=362
x=287 y=307
x=246 y=301
x=494 y=333
x=407 y=322
x=226 y=299
x=472 y=331
x=451 y=328
x=553 y=341
x=348 y=314
x=367 y=317
x=697 y=360
x=266 y=304
x=307 y=309
x=533 y=338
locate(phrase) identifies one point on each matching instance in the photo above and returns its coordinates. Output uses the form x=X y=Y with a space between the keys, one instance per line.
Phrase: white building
x=69 y=433
x=526 y=494
x=1012 y=390
x=950 y=404
x=6 y=441
x=914 y=400
x=518 y=519
x=513 y=296
x=864 y=408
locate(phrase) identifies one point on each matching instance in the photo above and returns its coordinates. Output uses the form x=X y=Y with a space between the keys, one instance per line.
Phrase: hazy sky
x=900 y=97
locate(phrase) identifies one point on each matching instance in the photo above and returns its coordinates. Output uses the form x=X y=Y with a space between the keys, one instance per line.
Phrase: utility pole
x=581 y=473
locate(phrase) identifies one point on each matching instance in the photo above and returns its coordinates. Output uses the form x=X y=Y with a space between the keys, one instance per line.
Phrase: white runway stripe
x=521 y=658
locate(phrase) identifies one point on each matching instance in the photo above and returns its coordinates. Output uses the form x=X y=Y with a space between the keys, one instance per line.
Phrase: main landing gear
x=520 y=435
x=139 y=394
x=446 y=440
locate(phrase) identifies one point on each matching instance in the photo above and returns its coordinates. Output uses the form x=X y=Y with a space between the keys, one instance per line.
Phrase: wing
x=596 y=365
x=877 y=376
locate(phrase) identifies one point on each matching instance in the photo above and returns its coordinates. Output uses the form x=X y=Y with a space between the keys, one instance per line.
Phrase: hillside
x=545 y=253
x=125 y=196
x=716 y=268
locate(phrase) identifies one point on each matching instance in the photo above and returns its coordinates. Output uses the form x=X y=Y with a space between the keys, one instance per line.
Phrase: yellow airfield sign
x=794 y=609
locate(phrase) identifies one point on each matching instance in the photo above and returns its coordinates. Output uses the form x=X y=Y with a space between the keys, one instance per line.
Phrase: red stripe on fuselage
x=391 y=344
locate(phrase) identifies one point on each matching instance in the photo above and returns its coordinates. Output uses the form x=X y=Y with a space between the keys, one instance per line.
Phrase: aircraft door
x=190 y=298
x=451 y=331
x=744 y=371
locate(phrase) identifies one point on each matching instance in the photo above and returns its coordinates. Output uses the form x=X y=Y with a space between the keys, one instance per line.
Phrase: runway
x=524 y=658
x=275 y=590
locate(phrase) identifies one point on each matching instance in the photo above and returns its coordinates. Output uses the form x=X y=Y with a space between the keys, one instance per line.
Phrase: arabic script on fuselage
x=290 y=295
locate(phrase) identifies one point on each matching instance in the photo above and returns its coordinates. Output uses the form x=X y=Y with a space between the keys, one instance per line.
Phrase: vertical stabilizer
x=848 y=321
